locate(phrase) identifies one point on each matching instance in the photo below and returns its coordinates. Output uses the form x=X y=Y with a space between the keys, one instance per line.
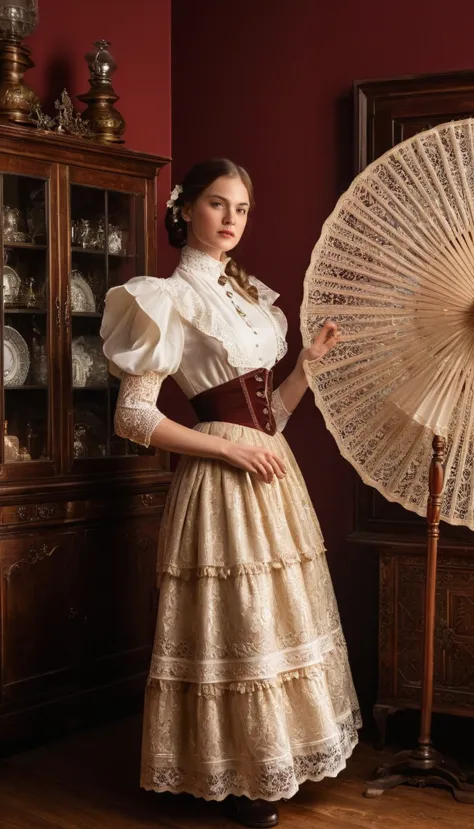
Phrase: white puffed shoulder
x=141 y=328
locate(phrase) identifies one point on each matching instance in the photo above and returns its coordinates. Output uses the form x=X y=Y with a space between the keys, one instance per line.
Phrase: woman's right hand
x=255 y=459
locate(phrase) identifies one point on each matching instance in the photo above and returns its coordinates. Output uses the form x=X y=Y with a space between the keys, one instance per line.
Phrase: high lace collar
x=195 y=260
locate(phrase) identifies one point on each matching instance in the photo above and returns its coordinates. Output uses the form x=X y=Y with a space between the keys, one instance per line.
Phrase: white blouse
x=190 y=326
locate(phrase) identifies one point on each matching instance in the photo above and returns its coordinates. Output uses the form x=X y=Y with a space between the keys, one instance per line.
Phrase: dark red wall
x=268 y=84
x=140 y=33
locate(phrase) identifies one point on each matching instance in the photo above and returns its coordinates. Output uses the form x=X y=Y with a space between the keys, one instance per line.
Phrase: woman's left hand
x=328 y=337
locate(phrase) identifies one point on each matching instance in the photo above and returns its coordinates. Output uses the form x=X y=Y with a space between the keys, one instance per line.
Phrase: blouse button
x=265 y=411
x=260 y=394
x=267 y=427
x=259 y=378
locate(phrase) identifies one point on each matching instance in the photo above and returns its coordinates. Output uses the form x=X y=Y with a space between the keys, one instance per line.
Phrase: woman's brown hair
x=194 y=183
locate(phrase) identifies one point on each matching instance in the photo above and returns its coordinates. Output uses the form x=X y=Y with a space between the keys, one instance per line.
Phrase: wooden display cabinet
x=79 y=507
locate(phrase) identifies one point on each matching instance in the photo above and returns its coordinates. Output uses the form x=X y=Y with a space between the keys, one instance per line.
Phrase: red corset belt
x=245 y=401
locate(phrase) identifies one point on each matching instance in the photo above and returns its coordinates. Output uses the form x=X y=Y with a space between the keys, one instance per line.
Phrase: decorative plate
x=16 y=357
x=81 y=363
x=82 y=297
x=11 y=285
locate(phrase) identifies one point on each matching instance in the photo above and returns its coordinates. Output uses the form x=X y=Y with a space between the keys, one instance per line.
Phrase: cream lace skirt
x=250 y=691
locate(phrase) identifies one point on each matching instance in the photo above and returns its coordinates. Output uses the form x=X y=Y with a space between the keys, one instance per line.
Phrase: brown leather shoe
x=258 y=814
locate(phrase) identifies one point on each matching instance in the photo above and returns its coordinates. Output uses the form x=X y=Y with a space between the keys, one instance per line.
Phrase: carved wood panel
x=39 y=613
x=401 y=660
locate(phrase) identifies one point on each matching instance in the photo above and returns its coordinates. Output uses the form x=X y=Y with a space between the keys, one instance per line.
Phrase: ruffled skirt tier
x=250 y=691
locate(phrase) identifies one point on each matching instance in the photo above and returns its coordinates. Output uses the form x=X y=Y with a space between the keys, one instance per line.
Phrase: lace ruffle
x=192 y=308
x=243 y=569
x=268 y=778
x=247 y=687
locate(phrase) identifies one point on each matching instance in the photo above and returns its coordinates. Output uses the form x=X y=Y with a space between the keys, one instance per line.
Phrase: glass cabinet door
x=107 y=244
x=25 y=322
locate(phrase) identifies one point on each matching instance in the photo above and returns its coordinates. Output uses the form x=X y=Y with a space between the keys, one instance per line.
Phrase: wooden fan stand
x=424 y=766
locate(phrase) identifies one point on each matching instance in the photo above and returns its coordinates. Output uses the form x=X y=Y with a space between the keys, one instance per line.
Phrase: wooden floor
x=89 y=781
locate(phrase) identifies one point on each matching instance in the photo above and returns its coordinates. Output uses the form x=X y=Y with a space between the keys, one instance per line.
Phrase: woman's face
x=217 y=219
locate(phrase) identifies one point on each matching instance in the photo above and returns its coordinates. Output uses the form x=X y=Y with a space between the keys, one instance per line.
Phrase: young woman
x=250 y=691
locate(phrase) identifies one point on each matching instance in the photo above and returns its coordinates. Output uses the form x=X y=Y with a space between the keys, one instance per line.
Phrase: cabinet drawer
x=81 y=510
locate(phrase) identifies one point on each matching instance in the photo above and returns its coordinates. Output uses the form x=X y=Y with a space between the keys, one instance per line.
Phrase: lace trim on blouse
x=280 y=412
x=194 y=310
x=136 y=415
x=191 y=306
x=195 y=260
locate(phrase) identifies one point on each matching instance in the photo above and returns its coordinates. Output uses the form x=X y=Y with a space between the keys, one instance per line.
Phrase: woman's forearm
x=173 y=437
x=293 y=388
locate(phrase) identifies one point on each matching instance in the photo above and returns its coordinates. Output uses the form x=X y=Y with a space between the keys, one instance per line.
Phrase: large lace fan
x=394 y=266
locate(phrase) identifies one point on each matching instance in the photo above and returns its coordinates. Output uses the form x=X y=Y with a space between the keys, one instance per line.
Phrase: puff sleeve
x=143 y=341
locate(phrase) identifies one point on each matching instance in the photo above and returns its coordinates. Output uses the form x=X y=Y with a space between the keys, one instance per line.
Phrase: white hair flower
x=174 y=196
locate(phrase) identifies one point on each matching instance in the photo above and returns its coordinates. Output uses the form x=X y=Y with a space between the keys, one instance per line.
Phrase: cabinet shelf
x=95 y=252
x=29 y=387
x=24 y=245
x=91 y=388
x=7 y=310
